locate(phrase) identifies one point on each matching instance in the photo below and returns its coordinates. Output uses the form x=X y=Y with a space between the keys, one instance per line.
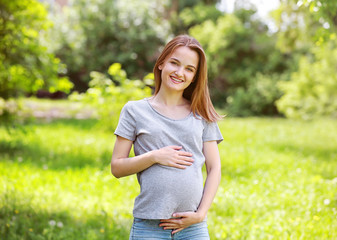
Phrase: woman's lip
x=175 y=79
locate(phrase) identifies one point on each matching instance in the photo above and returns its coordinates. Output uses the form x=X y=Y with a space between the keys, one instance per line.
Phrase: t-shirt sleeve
x=211 y=132
x=126 y=127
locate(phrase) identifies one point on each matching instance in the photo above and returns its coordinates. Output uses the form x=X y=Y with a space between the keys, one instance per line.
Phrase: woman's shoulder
x=206 y=123
x=135 y=105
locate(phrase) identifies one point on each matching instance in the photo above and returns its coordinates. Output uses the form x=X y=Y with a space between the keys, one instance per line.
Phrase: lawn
x=279 y=181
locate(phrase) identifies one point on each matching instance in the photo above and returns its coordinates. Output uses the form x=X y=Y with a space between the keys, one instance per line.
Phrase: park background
x=68 y=67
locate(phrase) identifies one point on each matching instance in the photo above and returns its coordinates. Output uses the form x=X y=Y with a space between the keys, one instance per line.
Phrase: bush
x=190 y=16
x=240 y=47
x=109 y=95
x=258 y=99
x=312 y=90
x=13 y=113
x=26 y=64
x=93 y=34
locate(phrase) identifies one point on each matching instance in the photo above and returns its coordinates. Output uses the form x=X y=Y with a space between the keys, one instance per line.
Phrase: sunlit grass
x=59 y=172
x=279 y=181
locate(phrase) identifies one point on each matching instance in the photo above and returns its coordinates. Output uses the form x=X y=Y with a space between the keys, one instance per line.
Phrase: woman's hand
x=181 y=221
x=171 y=156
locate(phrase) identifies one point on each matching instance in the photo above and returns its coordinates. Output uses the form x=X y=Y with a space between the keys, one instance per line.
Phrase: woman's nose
x=179 y=71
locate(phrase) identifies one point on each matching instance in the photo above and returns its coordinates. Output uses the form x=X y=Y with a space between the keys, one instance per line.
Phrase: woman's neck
x=172 y=106
x=169 y=99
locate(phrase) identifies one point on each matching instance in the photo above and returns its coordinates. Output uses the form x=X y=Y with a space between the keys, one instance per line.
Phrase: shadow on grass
x=322 y=153
x=27 y=223
x=323 y=157
x=17 y=148
x=80 y=124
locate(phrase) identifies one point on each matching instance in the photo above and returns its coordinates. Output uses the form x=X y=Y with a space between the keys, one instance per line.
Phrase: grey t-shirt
x=165 y=190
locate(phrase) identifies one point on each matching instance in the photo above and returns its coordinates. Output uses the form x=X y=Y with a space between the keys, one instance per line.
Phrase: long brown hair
x=197 y=92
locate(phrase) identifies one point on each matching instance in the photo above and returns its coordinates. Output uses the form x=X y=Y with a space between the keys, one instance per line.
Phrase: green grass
x=279 y=181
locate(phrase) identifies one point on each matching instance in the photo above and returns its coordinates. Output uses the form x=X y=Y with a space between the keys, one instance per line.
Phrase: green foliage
x=295 y=28
x=240 y=47
x=312 y=91
x=9 y=110
x=108 y=96
x=26 y=64
x=198 y=14
x=190 y=16
x=93 y=34
x=307 y=30
x=303 y=24
x=278 y=182
x=324 y=12
x=259 y=97
x=14 y=113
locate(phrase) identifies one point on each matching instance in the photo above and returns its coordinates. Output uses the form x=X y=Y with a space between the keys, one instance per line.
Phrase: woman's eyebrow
x=175 y=59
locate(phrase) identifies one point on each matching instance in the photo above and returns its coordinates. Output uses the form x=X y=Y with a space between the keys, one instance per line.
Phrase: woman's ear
x=160 y=67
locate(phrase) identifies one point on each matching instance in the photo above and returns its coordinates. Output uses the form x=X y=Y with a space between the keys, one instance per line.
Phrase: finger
x=185 y=163
x=165 y=220
x=187 y=159
x=170 y=226
x=181 y=153
x=177 y=230
x=175 y=147
x=166 y=226
x=179 y=215
x=168 y=221
x=180 y=166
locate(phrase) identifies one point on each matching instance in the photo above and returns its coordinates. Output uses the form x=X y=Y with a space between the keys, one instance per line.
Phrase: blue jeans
x=150 y=230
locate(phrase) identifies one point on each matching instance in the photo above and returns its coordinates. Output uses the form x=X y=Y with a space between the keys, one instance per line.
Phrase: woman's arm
x=213 y=167
x=122 y=165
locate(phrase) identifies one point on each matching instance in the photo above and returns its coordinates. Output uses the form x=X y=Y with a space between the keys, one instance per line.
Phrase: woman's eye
x=174 y=63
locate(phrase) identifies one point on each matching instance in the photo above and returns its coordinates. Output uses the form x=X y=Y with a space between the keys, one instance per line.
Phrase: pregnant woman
x=174 y=133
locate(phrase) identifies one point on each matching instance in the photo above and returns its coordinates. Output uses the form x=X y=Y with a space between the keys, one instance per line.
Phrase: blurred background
x=67 y=67
x=265 y=58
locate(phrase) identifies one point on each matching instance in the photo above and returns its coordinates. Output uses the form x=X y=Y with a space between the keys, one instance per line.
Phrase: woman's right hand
x=172 y=157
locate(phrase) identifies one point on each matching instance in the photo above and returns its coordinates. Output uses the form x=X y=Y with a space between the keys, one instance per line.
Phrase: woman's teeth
x=176 y=79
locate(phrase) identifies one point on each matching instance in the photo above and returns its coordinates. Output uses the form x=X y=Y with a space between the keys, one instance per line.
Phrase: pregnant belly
x=181 y=187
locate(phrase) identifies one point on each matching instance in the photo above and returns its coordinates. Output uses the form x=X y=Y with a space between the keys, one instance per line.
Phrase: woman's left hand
x=181 y=221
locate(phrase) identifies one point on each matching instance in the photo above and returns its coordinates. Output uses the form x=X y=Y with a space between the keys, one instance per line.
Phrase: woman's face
x=179 y=69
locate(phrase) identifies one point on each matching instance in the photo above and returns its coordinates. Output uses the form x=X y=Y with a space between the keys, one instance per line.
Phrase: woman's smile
x=176 y=80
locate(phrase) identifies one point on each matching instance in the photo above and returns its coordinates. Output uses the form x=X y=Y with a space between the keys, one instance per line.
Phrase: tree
x=303 y=24
x=191 y=16
x=26 y=64
x=308 y=29
x=312 y=90
x=239 y=49
x=93 y=34
x=108 y=93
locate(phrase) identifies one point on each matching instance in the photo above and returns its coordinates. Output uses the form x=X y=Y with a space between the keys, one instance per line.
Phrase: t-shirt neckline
x=172 y=119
